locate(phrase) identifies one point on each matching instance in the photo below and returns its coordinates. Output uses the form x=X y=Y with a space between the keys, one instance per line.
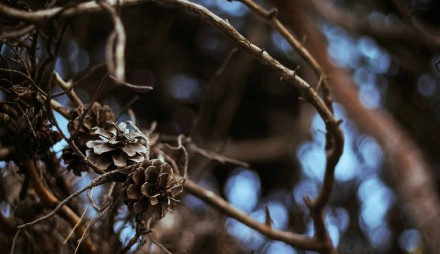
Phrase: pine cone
x=151 y=189
x=116 y=146
x=97 y=116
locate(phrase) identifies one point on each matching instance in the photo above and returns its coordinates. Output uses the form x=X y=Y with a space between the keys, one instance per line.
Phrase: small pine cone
x=151 y=189
x=116 y=146
x=97 y=116
x=73 y=161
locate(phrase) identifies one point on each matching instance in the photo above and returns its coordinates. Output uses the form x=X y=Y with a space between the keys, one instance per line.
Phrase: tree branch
x=296 y=240
x=50 y=201
x=410 y=174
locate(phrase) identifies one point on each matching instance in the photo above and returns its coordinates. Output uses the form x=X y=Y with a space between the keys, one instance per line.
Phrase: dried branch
x=59 y=205
x=270 y=16
x=60 y=109
x=180 y=146
x=91 y=223
x=50 y=201
x=296 y=240
x=203 y=13
x=286 y=74
x=214 y=156
x=131 y=85
x=68 y=88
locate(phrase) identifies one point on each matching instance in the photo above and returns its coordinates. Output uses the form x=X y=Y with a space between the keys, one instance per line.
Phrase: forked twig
x=215 y=156
x=180 y=146
x=97 y=181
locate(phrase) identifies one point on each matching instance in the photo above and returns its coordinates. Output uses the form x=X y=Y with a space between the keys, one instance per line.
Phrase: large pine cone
x=151 y=189
x=116 y=146
x=97 y=116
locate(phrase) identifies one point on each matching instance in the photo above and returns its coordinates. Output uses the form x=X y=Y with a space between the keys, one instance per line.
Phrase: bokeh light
x=243 y=189
x=279 y=248
x=410 y=239
x=427 y=85
x=184 y=88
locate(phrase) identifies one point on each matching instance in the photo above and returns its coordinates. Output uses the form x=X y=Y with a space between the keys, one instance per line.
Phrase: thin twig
x=271 y=17
x=130 y=85
x=14 y=241
x=210 y=86
x=97 y=181
x=77 y=224
x=180 y=146
x=167 y=158
x=91 y=223
x=218 y=157
x=50 y=201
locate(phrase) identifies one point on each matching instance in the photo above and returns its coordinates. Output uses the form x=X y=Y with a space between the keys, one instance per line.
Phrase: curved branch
x=296 y=240
x=409 y=173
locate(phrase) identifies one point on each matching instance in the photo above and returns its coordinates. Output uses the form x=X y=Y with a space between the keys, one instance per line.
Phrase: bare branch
x=214 y=156
x=296 y=240
x=50 y=201
x=97 y=181
x=68 y=88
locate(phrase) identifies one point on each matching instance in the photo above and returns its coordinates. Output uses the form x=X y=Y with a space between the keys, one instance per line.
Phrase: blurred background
x=228 y=103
